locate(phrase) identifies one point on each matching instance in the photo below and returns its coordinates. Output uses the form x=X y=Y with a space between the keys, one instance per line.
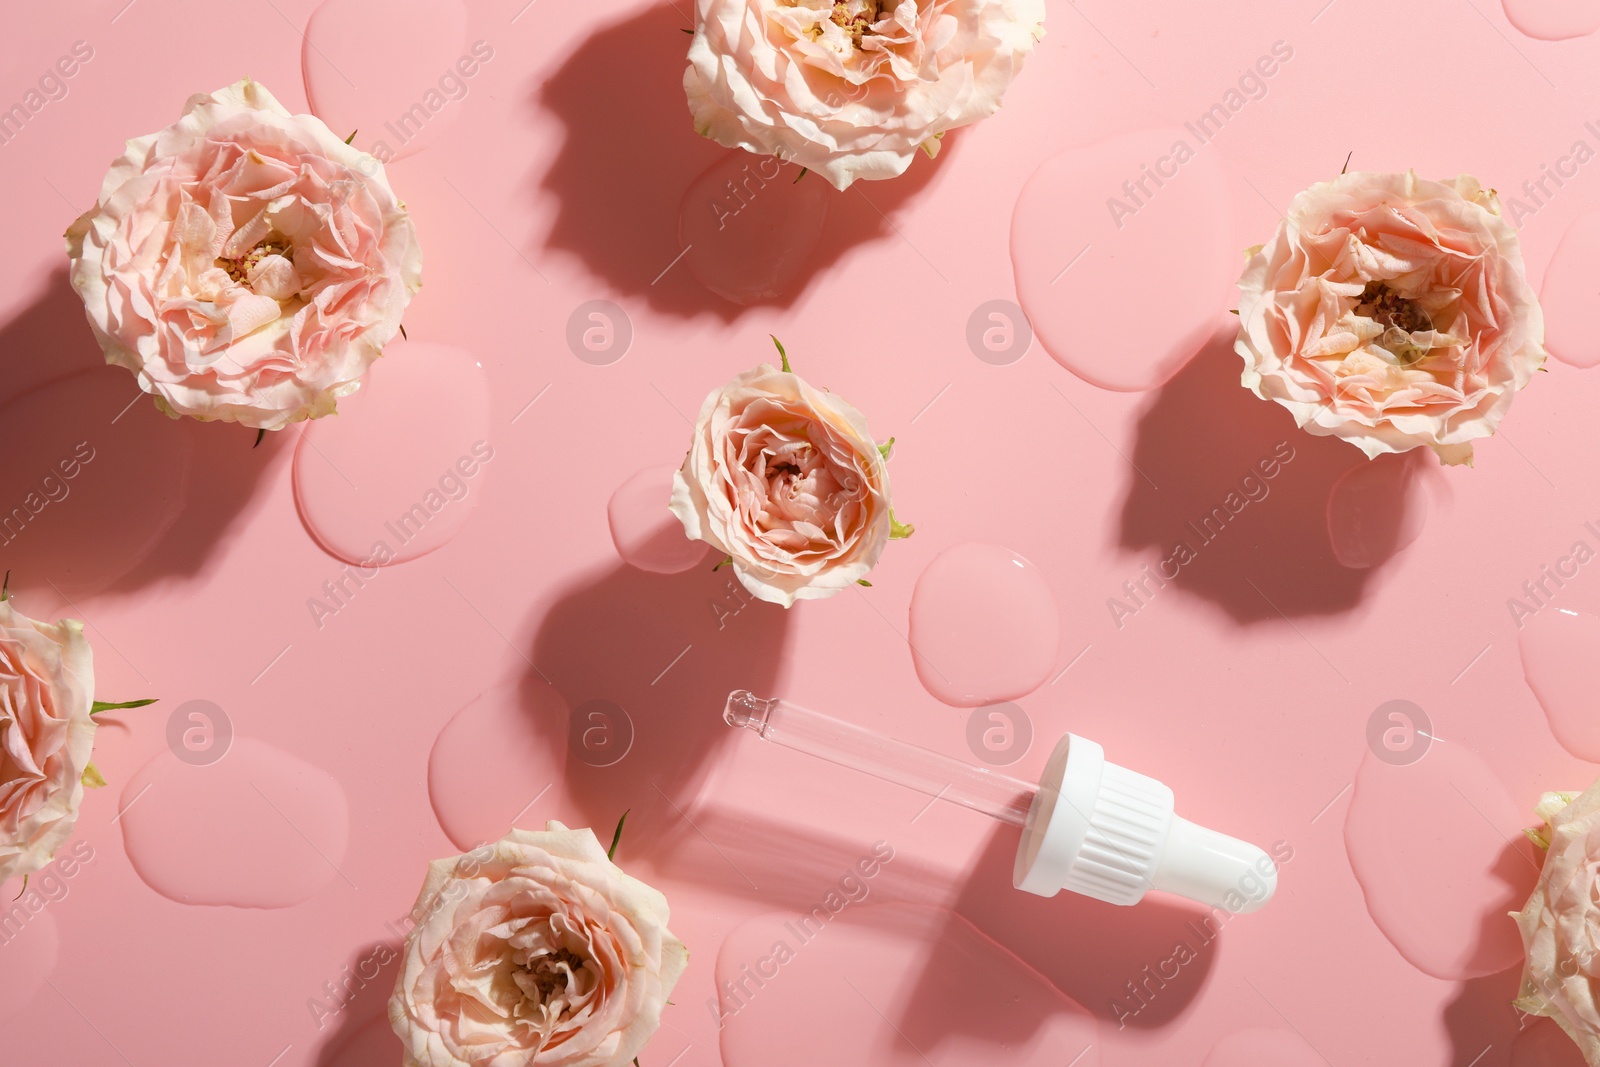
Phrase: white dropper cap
x=1110 y=833
x=1088 y=825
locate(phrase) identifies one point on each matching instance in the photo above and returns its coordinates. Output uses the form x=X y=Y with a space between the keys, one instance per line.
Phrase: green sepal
x=93 y=778
x=102 y=705
x=616 y=837
x=899 y=530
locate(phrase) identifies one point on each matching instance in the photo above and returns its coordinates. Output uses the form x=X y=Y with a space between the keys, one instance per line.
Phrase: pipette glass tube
x=984 y=789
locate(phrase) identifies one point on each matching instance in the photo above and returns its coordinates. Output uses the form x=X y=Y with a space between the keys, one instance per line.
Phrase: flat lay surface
x=387 y=636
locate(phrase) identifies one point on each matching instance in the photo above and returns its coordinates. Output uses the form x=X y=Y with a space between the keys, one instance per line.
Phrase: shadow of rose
x=100 y=492
x=630 y=152
x=1232 y=497
x=359 y=1034
x=1480 y=1019
x=644 y=664
x=1481 y=1022
x=1542 y=1043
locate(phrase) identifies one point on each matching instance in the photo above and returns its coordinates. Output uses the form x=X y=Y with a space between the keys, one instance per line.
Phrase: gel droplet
x=1561 y=662
x=259 y=829
x=984 y=626
x=646 y=534
x=1376 y=509
x=1571 y=287
x=749 y=226
x=494 y=763
x=902 y=983
x=1553 y=20
x=386 y=70
x=1438 y=850
x=1123 y=296
x=1264 y=1048
x=398 y=471
x=93 y=476
x=27 y=956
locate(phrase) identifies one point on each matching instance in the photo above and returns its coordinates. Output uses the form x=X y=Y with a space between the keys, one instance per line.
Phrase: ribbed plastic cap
x=1110 y=833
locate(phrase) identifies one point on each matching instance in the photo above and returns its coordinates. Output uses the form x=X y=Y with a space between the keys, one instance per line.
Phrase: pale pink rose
x=1561 y=923
x=785 y=480
x=1393 y=312
x=536 y=951
x=852 y=89
x=245 y=263
x=46 y=736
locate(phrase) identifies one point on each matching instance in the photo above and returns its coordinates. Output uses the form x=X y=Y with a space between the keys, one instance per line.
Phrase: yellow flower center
x=856 y=23
x=239 y=269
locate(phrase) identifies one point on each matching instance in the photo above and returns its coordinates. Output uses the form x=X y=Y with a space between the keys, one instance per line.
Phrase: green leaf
x=863 y=581
x=616 y=838
x=898 y=530
x=781 y=354
x=102 y=705
x=92 y=777
x=352 y=136
x=886 y=449
x=721 y=563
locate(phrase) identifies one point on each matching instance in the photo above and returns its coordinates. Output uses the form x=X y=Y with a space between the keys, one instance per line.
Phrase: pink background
x=1247 y=685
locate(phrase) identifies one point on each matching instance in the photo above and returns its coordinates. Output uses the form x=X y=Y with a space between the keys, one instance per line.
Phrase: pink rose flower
x=851 y=89
x=786 y=481
x=536 y=951
x=46 y=736
x=245 y=263
x=1561 y=923
x=1393 y=312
